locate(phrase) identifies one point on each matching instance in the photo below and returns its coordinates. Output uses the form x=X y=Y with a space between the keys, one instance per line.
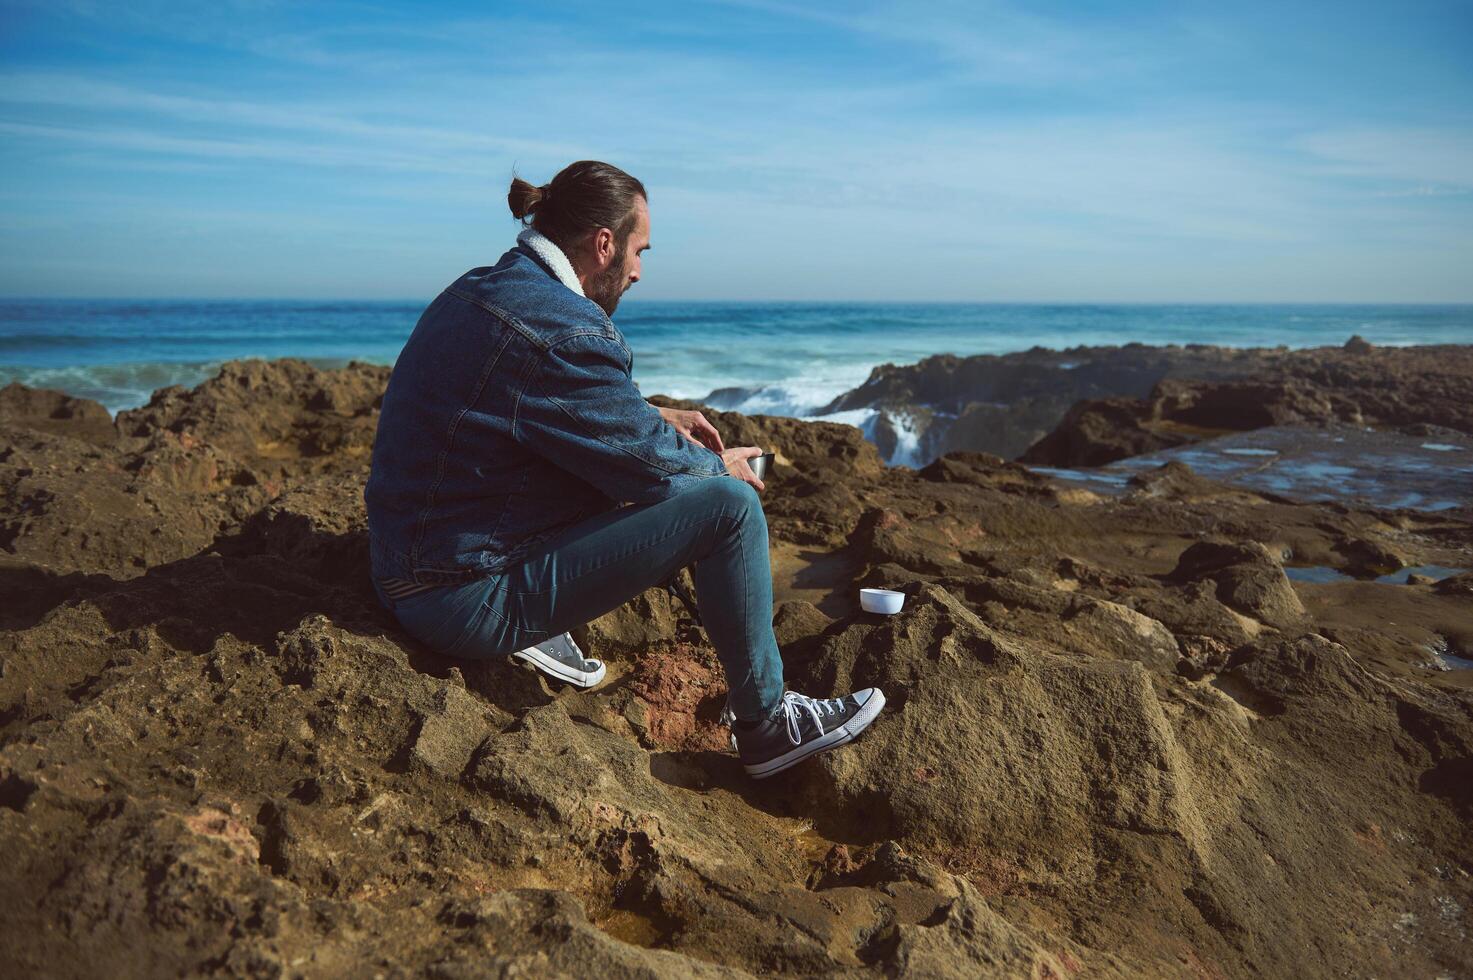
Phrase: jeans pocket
x=495 y=634
x=438 y=618
x=472 y=629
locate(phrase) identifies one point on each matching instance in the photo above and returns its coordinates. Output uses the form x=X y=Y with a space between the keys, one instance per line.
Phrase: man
x=511 y=432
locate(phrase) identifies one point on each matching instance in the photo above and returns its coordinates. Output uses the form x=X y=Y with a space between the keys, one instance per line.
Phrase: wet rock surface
x=1086 y=406
x=1422 y=467
x=1356 y=385
x=1120 y=740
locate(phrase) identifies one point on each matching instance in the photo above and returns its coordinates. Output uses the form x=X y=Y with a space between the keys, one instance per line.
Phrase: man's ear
x=603 y=246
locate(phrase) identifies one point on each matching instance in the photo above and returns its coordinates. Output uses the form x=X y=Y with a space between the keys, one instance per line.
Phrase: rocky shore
x=1086 y=406
x=1125 y=735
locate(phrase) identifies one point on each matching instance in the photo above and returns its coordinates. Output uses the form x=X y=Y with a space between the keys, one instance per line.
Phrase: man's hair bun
x=524 y=197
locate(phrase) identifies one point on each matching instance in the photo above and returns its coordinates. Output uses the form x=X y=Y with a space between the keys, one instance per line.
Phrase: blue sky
x=903 y=151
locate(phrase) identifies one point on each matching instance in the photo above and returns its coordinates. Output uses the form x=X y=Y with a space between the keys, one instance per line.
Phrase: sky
x=1012 y=152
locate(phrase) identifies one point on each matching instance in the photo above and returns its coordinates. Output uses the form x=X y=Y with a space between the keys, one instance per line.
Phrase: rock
x=971 y=937
x=72 y=506
x=595 y=766
x=278 y=418
x=677 y=699
x=1094 y=433
x=1359 y=385
x=505 y=936
x=1090 y=405
x=1241 y=405
x=165 y=869
x=798 y=626
x=56 y=413
x=1176 y=480
x=318 y=529
x=1367 y=557
x=805 y=447
x=1208 y=557
x=1358 y=345
x=449 y=733
x=1077 y=623
x=941 y=662
x=293 y=847
x=168 y=460
x=225 y=826
x=1124 y=632
x=963 y=468
x=1248 y=577
x=1080 y=755
x=984 y=469
x=1455 y=585
x=648 y=620
x=306 y=651
x=1002 y=404
x=1006 y=429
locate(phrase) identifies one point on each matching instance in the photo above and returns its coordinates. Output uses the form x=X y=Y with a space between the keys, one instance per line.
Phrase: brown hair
x=583 y=197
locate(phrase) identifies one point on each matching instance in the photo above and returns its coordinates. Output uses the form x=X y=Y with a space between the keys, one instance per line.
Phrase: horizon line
x=6 y=298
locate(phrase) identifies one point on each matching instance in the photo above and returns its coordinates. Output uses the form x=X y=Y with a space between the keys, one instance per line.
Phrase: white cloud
x=92 y=95
x=1418 y=155
x=982 y=41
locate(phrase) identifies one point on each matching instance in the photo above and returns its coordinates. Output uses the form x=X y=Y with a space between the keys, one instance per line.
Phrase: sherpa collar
x=548 y=251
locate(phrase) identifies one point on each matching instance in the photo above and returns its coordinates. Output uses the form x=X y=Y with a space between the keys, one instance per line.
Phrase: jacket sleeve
x=581 y=410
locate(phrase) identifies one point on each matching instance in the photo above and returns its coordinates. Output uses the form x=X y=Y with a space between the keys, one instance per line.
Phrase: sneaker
x=804 y=726
x=728 y=718
x=560 y=658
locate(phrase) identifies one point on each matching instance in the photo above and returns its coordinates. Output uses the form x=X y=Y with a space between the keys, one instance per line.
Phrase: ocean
x=779 y=357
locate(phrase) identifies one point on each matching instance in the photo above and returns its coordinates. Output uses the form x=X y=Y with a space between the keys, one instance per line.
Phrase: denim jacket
x=510 y=414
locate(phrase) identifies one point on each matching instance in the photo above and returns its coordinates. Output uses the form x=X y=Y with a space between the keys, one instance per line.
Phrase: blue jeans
x=599 y=564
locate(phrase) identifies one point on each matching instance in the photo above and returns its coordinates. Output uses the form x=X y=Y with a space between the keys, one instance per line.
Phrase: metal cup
x=760 y=464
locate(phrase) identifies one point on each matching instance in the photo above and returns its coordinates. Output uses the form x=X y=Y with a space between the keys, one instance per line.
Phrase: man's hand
x=693 y=426
x=736 y=464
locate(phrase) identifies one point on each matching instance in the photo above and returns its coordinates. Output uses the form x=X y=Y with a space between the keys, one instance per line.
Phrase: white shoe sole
x=846 y=732
x=561 y=671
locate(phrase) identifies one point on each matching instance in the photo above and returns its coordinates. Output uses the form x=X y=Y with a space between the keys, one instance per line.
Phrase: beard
x=609 y=286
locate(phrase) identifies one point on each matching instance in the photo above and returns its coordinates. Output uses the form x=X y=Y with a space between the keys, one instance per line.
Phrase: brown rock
x=1094 y=433
x=798 y=626
x=1356 y=385
x=71 y=505
x=318 y=528
x=56 y=413
x=1455 y=585
x=649 y=620
x=1240 y=405
x=1248 y=577
x=449 y=733
x=1077 y=623
x=1368 y=557
x=276 y=417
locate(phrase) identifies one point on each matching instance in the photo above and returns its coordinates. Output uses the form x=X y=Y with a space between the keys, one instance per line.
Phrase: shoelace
x=588 y=664
x=794 y=704
x=583 y=662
